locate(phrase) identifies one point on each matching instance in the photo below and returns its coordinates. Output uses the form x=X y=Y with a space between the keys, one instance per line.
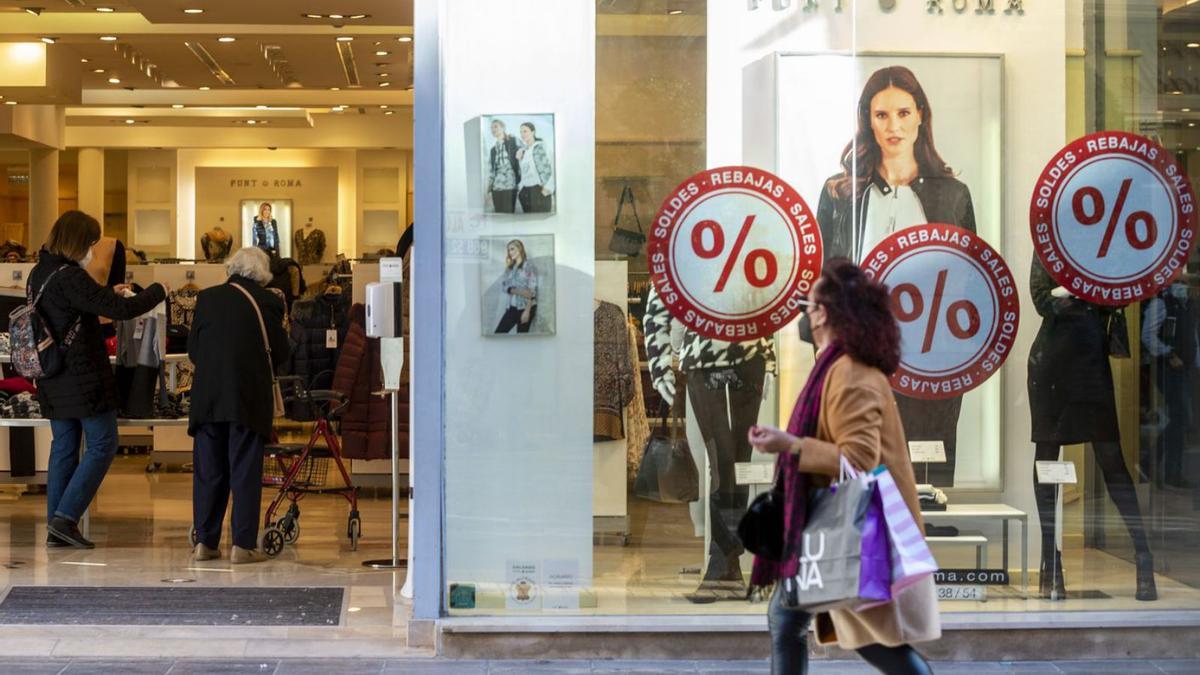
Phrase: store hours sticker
x=733 y=252
x=1113 y=218
x=957 y=305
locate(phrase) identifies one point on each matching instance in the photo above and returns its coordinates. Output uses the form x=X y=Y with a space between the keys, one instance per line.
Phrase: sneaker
x=54 y=542
x=244 y=556
x=69 y=532
x=203 y=552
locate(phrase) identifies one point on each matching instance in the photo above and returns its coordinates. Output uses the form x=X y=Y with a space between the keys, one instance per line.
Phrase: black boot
x=1051 y=584
x=54 y=542
x=1146 y=590
x=69 y=532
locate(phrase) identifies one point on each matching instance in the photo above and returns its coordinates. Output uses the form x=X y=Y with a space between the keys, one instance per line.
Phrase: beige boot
x=243 y=556
x=203 y=552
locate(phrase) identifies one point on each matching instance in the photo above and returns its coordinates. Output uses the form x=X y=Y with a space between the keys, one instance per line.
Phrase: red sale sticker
x=1113 y=218
x=733 y=251
x=957 y=305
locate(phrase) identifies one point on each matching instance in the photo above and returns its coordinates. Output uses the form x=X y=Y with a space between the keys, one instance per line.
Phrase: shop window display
x=884 y=118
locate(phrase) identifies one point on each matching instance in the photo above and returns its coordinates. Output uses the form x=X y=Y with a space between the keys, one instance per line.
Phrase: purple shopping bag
x=875 y=575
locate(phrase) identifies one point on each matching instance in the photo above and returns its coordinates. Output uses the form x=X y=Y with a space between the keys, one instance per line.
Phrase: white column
x=91 y=182
x=43 y=195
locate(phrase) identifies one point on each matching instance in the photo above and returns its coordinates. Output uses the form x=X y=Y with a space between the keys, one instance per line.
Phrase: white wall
x=1034 y=49
x=518 y=411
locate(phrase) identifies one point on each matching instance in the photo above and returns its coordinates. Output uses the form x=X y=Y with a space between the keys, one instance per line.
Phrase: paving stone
x=118 y=668
x=323 y=666
x=210 y=667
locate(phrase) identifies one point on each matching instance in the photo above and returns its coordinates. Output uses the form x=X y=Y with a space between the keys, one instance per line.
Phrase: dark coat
x=233 y=380
x=310 y=358
x=87 y=387
x=1071 y=396
x=943 y=198
x=367 y=421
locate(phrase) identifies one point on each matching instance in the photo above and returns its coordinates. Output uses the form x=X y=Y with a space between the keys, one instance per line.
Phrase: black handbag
x=1118 y=335
x=761 y=528
x=667 y=474
x=627 y=242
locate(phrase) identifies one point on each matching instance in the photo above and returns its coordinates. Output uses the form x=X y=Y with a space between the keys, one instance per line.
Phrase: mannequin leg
x=1051 y=577
x=1120 y=488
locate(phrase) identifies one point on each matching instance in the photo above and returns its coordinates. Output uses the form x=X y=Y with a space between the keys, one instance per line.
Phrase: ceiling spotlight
x=226 y=38
x=383 y=74
x=10 y=103
x=251 y=122
x=385 y=84
x=130 y=122
x=382 y=53
x=1177 y=93
x=177 y=106
x=1185 y=110
x=97 y=70
x=389 y=112
x=108 y=38
x=36 y=11
x=674 y=12
x=49 y=40
x=205 y=88
x=358 y=16
x=114 y=80
x=193 y=11
x=314 y=16
x=335 y=89
x=345 y=38
x=336 y=16
x=84 y=61
x=105 y=10
x=384 y=107
x=404 y=38
x=1193 y=45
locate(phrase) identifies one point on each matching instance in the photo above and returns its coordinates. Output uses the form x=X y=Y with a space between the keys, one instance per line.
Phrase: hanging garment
x=309 y=245
x=216 y=244
x=367 y=421
x=612 y=373
x=141 y=344
x=637 y=426
x=314 y=322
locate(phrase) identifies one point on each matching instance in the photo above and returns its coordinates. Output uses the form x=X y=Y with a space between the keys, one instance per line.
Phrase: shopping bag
x=623 y=241
x=910 y=554
x=831 y=565
x=875 y=578
x=667 y=473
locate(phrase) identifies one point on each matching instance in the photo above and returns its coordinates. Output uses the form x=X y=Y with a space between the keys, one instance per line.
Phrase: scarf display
x=803 y=423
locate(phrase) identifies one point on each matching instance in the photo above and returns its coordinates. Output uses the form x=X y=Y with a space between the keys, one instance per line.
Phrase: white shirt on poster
x=898 y=209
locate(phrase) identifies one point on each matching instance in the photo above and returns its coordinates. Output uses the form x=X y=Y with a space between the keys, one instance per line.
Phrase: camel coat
x=859 y=419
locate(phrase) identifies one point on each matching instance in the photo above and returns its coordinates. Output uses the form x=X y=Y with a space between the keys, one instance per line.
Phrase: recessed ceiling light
x=1193 y=45
x=36 y=11
x=130 y=122
x=84 y=61
x=108 y=38
x=260 y=107
x=382 y=53
x=674 y=12
x=389 y=112
x=114 y=80
x=336 y=16
x=205 y=88
x=193 y=11
x=314 y=16
x=106 y=10
x=345 y=38
x=385 y=84
x=49 y=40
x=177 y=106
x=404 y=38
x=384 y=75
x=384 y=107
x=10 y=103
x=251 y=122
x=226 y=38
x=97 y=70
x=335 y=89
x=1177 y=93
x=358 y=16
x=1185 y=110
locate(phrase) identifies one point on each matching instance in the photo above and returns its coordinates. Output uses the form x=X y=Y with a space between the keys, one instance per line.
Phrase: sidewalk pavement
x=450 y=667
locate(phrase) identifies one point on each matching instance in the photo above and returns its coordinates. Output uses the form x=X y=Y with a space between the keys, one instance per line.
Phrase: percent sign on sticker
x=750 y=264
x=1089 y=208
x=961 y=317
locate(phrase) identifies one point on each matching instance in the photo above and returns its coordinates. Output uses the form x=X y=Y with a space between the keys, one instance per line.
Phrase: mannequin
x=1071 y=400
x=725 y=382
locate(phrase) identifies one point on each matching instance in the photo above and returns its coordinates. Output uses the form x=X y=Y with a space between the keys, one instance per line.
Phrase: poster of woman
x=517 y=285
x=519 y=168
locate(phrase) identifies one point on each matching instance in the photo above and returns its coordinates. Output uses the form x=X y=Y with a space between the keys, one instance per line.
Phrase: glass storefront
x=570 y=130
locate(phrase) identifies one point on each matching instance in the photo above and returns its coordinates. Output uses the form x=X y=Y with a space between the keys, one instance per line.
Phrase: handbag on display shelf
x=627 y=242
x=1118 y=336
x=276 y=392
x=668 y=474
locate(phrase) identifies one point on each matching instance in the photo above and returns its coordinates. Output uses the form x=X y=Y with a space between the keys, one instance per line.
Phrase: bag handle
x=261 y=324
x=847 y=470
x=627 y=191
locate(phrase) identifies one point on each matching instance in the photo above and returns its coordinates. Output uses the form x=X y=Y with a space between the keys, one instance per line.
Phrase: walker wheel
x=354 y=531
x=272 y=541
x=290 y=528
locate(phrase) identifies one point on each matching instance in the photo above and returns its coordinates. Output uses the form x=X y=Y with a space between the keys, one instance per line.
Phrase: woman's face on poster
x=497 y=129
x=264 y=212
x=526 y=135
x=514 y=253
x=895 y=121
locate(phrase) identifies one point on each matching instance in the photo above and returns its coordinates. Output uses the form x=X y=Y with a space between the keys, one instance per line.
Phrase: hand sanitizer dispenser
x=385 y=320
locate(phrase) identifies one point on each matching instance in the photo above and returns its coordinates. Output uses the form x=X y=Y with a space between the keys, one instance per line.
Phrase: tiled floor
x=444 y=667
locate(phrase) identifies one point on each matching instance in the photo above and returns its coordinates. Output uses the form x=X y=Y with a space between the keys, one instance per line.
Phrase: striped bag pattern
x=911 y=558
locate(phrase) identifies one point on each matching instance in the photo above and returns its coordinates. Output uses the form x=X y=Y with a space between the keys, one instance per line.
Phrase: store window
x=562 y=358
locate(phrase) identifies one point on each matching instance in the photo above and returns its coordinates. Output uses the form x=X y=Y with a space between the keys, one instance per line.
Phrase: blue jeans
x=73 y=482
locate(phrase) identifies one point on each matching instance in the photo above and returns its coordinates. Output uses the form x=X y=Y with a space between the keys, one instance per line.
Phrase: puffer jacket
x=367 y=421
x=311 y=360
x=87 y=386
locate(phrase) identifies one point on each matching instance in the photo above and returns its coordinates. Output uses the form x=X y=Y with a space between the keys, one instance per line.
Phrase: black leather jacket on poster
x=943 y=198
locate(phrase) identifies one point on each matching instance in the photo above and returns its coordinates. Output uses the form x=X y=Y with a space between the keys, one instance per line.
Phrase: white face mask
x=87 y=259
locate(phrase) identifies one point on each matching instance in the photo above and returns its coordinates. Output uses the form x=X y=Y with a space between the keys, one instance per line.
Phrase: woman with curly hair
x=846 y=409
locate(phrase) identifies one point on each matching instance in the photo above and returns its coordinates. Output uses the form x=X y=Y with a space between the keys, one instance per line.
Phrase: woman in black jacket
x=81 y=400
x=232 y=402
x=894 y=178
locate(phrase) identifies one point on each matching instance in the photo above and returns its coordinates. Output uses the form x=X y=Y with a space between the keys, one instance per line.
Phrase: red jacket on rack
x=367 y=420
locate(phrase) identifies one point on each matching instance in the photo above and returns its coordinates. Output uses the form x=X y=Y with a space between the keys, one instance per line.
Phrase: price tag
x=139 y=329
x=733 y=252
x=391 y=269
x=754 y=473
x=957 y=304
x=962 y=592
x=933 y=452
x=1056 y=473
x=331 y=338
x=1113 y=218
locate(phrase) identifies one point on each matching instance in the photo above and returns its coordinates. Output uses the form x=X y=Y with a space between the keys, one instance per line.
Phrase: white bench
x=979 y=541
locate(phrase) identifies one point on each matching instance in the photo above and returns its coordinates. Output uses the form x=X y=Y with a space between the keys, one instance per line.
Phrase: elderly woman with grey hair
x=237 y=343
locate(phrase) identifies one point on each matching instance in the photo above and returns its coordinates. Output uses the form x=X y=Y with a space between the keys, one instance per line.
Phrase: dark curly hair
x=859 y=311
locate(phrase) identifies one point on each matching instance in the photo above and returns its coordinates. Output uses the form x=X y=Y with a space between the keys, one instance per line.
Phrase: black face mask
x=804 y=327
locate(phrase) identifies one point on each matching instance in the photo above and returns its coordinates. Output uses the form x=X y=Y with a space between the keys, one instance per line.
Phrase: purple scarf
x=794 y=483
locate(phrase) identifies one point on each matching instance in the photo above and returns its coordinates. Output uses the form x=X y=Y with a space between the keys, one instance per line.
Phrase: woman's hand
x=545 y=192
x=525 y=316
x=768 y=439
x=520 y=153
x=121 y=289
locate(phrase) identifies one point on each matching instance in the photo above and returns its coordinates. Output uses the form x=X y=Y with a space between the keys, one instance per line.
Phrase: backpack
x=35 y=353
